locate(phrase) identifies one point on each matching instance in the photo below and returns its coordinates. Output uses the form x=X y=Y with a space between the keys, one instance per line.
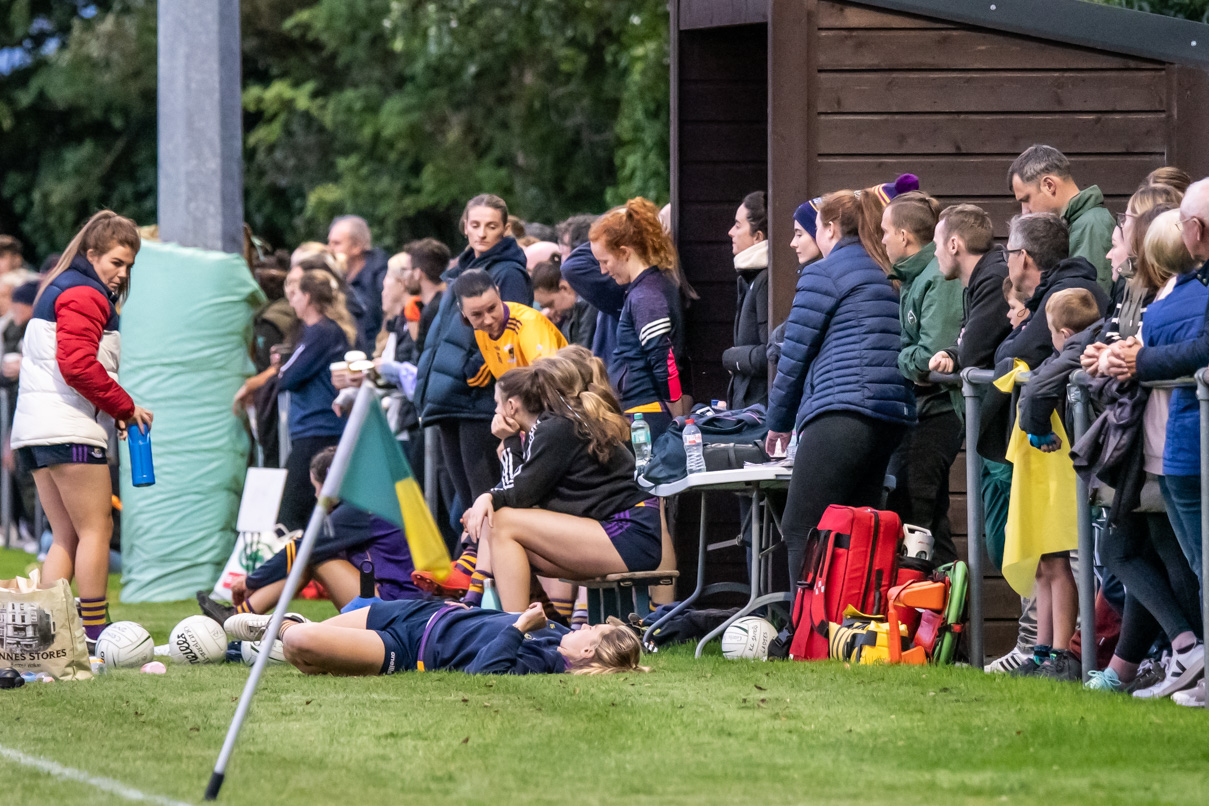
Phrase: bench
x=605 y=594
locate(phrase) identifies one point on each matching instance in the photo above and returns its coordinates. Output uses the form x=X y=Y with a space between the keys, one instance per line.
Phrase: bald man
x=364 y=267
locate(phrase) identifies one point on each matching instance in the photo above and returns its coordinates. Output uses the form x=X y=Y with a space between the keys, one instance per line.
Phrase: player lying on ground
x=407 y=635
x=350 y=538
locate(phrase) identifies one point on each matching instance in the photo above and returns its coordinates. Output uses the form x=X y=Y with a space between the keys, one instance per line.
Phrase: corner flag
x=379 y=480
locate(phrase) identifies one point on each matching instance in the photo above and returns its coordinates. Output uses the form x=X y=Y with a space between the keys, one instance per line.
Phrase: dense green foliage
x=398 y=110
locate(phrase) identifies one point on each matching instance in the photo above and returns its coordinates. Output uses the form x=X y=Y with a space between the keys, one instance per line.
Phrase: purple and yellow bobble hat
x=807 y=212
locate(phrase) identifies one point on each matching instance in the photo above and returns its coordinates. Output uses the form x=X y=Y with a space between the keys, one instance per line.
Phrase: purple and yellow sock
x=564 y=607
x=474 y=595
x=95 y=615
x=466 y=563
x=246 y=607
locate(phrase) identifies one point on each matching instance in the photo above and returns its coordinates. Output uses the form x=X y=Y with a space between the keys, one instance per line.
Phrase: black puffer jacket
x=747 y=360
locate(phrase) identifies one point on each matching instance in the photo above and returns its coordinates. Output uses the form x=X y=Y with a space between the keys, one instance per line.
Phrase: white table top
x=737 y=479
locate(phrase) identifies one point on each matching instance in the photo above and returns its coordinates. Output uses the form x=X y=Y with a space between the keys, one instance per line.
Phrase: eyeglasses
x=1011 y=252
x=1183 y=222
x=1122 y=218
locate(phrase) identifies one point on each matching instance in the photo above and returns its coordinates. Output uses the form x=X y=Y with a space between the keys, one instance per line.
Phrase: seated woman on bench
x=350 y=538
x=389 y=637
x=572 y=508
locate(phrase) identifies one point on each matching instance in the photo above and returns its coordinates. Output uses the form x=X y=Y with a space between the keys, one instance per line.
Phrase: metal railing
x=1079 y=398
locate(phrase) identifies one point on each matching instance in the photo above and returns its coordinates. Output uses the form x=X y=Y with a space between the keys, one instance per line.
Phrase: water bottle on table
x=640 y=438
x=694 y=450
x=142 y=471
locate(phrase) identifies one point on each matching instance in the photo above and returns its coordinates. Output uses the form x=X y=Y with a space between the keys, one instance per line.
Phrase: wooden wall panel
x=839 y=15
x=992 y=91
x=967 y=49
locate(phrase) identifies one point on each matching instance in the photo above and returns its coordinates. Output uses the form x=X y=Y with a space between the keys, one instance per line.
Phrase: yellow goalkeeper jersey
x=527 y=336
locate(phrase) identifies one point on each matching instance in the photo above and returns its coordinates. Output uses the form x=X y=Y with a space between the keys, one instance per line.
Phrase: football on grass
x=250 y=651
x=748 y=638
x=125 y=645
x=198 y=639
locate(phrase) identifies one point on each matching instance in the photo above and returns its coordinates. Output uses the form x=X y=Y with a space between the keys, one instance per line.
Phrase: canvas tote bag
x=41 y=630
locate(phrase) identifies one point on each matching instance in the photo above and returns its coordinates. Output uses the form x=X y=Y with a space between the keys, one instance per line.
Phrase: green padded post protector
x=185 y=330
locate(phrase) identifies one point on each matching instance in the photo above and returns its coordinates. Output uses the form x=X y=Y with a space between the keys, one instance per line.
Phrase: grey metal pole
x=331 y=487
x=432 y=492
x=1202 y=396
x=6 y=478
x=974 y=515
x=283 y=428
x=1077 y=394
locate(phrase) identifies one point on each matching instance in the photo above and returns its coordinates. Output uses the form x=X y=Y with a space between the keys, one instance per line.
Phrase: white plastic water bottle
x=791 y=452
x=694 y=451
x=640 y=438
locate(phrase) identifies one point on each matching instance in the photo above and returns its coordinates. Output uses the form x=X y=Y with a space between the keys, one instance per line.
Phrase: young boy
x=1073 y=316
x=573 y=317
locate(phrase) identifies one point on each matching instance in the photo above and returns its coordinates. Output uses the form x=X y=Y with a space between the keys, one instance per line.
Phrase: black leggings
x=842 y=459
x=468 y=451
x=921 y=492
x=298 y=501
x=1161 y=592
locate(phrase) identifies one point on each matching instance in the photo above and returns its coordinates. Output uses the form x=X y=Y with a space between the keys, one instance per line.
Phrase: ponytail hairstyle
x=859 y=215
x=592 y=372
x=636 y=226
x=555 y=385
x=328 y=299
x=105 y=230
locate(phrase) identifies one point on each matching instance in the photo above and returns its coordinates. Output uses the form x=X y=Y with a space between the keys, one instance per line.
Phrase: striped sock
x=246 y=607
x=95 y=614
x=474 y=596
x=564 y=607
x=466 y=563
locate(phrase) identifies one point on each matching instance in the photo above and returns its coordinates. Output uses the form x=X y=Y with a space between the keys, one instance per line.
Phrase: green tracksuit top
x=930 y=309
x=1091 y=227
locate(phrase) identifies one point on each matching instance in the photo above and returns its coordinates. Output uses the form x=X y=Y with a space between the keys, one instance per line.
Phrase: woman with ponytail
x=837 y=382
x=70 y=401
x=631 y=246
x=327 y=333
x=571 y=509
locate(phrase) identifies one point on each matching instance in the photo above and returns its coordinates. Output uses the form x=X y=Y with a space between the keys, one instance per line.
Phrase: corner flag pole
x=365 y=399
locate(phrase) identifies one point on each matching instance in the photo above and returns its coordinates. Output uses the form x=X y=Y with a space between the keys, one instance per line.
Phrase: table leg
x=692 y=597
x=757 y=550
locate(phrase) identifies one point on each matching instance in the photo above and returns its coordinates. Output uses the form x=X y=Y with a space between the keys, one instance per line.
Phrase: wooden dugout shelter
x=803 y=97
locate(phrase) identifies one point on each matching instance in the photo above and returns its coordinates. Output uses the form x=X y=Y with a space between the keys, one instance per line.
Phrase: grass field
x=691 y=732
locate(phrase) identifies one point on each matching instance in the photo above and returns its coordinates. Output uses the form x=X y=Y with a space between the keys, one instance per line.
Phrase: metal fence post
x=974 y=515
x=283 y=428
x=432 y=452
x=6 y=477
x=1078 y=397
x=1202 y=396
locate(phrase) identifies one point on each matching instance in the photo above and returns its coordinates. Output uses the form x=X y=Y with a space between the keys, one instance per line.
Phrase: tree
x=396 y=110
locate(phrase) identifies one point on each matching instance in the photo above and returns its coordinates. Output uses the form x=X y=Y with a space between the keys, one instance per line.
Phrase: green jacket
x=930 y=315
x=1091 y=227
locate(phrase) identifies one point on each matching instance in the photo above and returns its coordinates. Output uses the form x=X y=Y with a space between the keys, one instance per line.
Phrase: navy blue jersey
x=649 y=334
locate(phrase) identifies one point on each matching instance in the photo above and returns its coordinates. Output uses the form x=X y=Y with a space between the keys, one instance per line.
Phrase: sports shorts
x=637 y=534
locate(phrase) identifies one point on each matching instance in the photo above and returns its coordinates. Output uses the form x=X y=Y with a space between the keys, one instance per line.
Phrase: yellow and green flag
x=379 y=480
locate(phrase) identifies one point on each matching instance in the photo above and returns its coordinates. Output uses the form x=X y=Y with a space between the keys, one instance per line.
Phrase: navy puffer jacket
x=841 y=345
x=451 y=355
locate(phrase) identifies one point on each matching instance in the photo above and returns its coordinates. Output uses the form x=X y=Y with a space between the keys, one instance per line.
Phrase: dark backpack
x=730 y=439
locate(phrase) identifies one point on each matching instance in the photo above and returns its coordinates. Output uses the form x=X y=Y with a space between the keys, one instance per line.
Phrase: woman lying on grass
x=406 y=635
x=571 y=509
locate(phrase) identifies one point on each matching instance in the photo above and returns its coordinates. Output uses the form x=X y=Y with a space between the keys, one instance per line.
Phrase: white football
x=125 y=645
x=749 y=638
x=198 y=639
x=250 y=650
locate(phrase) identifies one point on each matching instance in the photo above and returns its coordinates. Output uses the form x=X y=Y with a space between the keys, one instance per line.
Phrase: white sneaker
x=1182 y=670
x=252 y=626
x=1193 y=697
x=1009 y=662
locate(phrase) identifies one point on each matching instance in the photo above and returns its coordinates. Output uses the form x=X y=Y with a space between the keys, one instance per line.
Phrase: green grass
x=693 y=731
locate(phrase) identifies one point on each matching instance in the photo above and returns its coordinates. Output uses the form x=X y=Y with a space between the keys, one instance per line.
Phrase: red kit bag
x=850 y=561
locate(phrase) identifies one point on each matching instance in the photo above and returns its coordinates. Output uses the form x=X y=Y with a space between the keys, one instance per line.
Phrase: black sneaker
x=1029 y=668
x=215 y=610
x=1063 y=666
x=1150 y=674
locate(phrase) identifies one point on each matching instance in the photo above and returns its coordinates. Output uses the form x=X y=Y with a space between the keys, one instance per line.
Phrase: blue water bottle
x=142 y=472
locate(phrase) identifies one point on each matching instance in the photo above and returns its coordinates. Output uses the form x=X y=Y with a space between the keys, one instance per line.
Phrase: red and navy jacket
x=69 y=392
x=650 y=332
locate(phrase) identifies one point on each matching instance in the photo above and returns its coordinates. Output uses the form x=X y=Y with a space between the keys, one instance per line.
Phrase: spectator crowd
x=528 y=354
